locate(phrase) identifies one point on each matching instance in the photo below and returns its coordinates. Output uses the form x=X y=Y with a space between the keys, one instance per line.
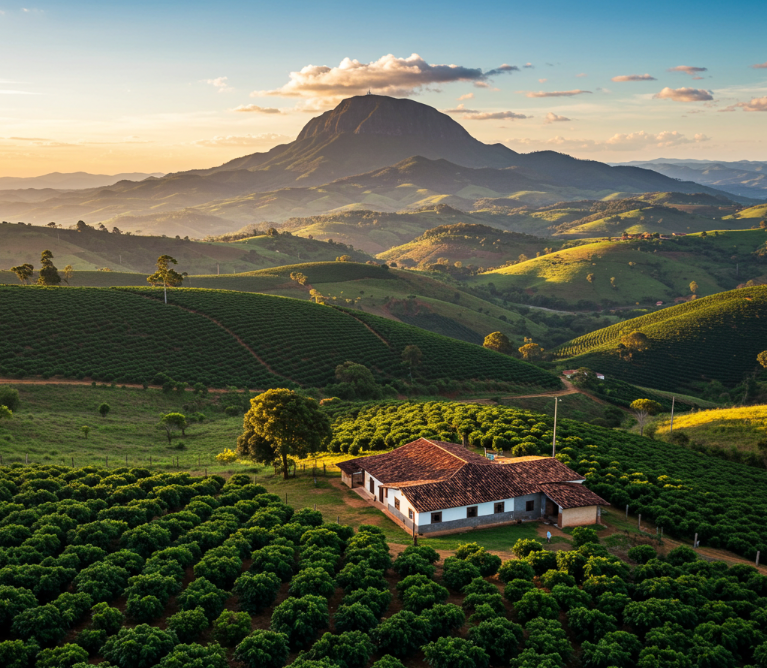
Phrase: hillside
x=91 y=249
x=225 y=338
x=753 y=214
x=470 y=245
x=715 y=338
x=363 y=135
x=645 y=270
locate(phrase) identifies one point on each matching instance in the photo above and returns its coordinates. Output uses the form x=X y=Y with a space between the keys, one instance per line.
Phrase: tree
x=298 y=277
x=499 y=637
x=23 y=272
x=165 y=274
x=590 y=278
x=317 y=296
x=188 y=624
x=412 y=356
x=195 y=656
x=344 y=258
x=643 y=409
x=762 y=358
x=612 y=283
x=282 y=424
x=256 y=591
x=360 y=378
x=85 y=429
x=61 y=657
x=498 y=341
x=450 y=652
x=6 y=413
x=530 y=350
x=300 y=618
x=49 y=275
x=231 y=627
x=139 y=647
x=104 y=409
x=694 y=288
x=68 y=273
x=634 y=342
x=173 y=422
x=263 y=649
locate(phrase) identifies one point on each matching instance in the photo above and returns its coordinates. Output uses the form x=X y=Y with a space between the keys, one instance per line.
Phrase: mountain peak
x=388 y=116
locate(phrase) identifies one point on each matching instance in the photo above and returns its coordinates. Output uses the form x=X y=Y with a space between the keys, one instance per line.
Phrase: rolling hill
x=226 y=338
x=92 y=249
x=363 y=135
x=70 y=181
x=715 y=338
x=645 y=271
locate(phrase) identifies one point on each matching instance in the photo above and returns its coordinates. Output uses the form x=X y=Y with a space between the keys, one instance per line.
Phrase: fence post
x=107 y=464
x=26 y=458
x=73 y=462
x=695 y=542
x=286 y=498
x=627 y=511
x=661 y=534
x=324 y=473
x=206 y=471
x=639 y=522
x=757 y=557
x=338 y=521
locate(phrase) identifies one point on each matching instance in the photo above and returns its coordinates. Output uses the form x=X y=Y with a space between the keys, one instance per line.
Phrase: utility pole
x=554 y=440
x=671 y=429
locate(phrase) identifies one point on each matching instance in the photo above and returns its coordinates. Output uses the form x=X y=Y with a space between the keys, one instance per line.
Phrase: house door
x=552 y=509
x=381 y=494
x=372 y=486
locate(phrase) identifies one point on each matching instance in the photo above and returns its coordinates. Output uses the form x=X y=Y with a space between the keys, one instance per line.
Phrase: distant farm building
x=432 y=487
x=571 y=372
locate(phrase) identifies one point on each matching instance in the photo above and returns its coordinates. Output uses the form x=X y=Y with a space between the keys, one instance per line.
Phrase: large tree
x=282 y=424
x=68 y=273
x=23 y=272
x=643 y=409
x=498 y=341
x=173 y=422
x=165 y=274
x=49 y=275
x=530 y=350
x=412 y=357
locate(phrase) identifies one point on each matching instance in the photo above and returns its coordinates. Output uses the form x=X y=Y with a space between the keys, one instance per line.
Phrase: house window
x=436 y=518
x=530 y=506
x=372 y=486
x=410 y=513
x=396 y=503
x=500 y=507
x=386 y=493
x=471 y=511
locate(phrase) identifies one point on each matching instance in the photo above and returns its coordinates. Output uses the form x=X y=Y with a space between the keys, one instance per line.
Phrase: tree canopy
x=498 y=341
x=49 y=275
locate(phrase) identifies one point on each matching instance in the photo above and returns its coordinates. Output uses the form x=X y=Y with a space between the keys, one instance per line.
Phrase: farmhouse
x=432 y=486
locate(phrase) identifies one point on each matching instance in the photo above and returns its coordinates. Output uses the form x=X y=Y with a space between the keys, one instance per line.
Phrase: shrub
x=494 y=601
x=106 y=618
x=401 y=634
x=300 y=618
x=515 y=569
x=388 y=661
x=542 y=561
x=645 y=615
x=322 y=537
x=516 y=589
x=613 y=604
x=350 y=649
x=681 y=555
x=586 y=623
x=308 y=517
x=195 y=656
x=412 y=564
x=570 y=597
x=584 y=535
x=546 y=636
x=44 y=623
x=65 y=656
x=421 y=596
x=423 y=551
x=651 y=657
x=487 y=563
x=618 y=649
x=139 y=647
x=221 y=568
x=312 y=581
x=355 y=617
x=499 y=637
x=456 y=573
x=532 y=659
x=537 y=604
x=555 y=577
x=444 y=619
x=146 y=539
x=360 y=576
x=153 y=584
x=16 y=654
x=277 y=559
x=377 y=600
x=102 y=581
x=144 y=608
x=204 y=594
x=14 y=600
x=188 y=624
x=263 y=649
x=525 y=546
x=256 y=591
x=455 y=653
x=231 y=627
x=641 y=554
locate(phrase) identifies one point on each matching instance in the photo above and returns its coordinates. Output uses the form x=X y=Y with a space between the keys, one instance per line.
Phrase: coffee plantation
x=312 y=594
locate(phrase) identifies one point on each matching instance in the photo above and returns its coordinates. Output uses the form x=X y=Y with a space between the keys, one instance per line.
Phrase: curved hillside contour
x=714 y=338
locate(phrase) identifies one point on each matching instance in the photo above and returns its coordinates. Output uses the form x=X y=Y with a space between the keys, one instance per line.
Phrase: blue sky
x=152 y=86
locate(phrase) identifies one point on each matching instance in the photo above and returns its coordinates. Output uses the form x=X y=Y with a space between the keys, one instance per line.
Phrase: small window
x=500 y=507
x=372 y=486
x=436 y=518
x=410 y=513
x=530 y=506
x=471 y=511
x=386 y=492
x=396 y=503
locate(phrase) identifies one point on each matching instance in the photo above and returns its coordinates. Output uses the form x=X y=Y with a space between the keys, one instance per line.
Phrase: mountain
x=71 y=181
x=371 y=139
x=743 y=177
x=716 y=338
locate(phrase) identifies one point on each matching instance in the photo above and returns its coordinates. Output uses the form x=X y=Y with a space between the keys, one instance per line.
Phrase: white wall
x=459 y=512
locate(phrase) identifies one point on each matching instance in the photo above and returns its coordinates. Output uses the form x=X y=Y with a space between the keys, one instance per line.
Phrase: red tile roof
x=572 y=495
x=434 y=475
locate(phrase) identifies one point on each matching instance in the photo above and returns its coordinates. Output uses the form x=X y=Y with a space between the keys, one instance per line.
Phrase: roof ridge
x=436 y=444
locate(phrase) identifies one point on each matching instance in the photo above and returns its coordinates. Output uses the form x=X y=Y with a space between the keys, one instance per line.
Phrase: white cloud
x=551 y=117
x=528 y=66
x=618 y=142
x=581 y=75
x=689 y=70
x=254 y=108
x=388 y=75
x=494 y=116
x=266 y=140
x=468 y=96
x=634 y=77
x=221 y=83
x=542 y=80
x=460 y=109
x=684 y=94
x=756 y=104
x=554 y=93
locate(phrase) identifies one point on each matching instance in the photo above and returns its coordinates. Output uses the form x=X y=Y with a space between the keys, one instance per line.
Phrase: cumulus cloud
x=267 y=139
x=551 y=117
x=555 y=93
x=468 y=96
x=760 y=66
x=581 y=75
x=689 y=70
x=388 y=75
x=221 y=83
x=618 y=142
x=529 y=66
x=542 y=80
x=494 y=116
x=684 y=94
x=756 y=104
x=254 y=108
x=634 y=77
x=460 y=109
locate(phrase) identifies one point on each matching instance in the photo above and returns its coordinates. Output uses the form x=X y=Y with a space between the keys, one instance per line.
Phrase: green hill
x=93 y=249
x=716 y=338
x=759 y=212
x=223 y=338
x=644 y=270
